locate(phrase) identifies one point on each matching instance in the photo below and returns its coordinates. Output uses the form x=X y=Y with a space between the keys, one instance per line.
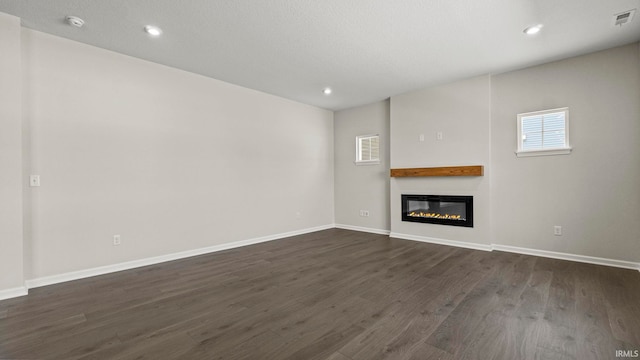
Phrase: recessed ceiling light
x=327 y=91
x=74 y=21
x=532 y=30
x=153 y=30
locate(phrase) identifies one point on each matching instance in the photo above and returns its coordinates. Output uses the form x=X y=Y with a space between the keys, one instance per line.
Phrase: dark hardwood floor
x=333 y=295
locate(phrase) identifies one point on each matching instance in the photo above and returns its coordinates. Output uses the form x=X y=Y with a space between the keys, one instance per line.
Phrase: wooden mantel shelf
x=473 y=170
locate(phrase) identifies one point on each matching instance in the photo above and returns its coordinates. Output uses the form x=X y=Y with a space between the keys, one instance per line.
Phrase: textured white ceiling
x=366 y=50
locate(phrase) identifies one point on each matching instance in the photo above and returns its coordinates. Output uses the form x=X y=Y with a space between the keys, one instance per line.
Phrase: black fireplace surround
x=452 y=210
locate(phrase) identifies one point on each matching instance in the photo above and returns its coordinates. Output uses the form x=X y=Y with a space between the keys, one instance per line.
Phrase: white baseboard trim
x=566 y=256
x=13 y=292
x=363 y=229
x=81 y=274
x=525 y=251
x=462 y=244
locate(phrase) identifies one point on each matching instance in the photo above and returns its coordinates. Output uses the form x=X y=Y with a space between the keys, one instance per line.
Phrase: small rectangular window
x=367 y=149
x=543 y=133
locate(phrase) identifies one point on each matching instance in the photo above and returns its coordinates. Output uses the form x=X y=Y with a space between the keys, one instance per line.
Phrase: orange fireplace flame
x=435 y=215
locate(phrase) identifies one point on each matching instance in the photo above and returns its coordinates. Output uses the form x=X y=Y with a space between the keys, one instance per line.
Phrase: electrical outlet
x=557 y=230
x=117 y=240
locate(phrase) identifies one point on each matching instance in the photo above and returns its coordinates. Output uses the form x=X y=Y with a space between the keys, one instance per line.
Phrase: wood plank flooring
x=333 y=295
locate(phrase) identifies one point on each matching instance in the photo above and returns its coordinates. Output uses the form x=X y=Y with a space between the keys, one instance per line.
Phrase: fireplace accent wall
x=452 y=210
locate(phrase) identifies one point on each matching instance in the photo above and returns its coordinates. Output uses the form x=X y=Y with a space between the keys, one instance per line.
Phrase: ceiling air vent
x=623 y=17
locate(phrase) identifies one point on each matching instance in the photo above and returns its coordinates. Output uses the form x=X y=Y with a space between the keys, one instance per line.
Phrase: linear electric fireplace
x=438 y=209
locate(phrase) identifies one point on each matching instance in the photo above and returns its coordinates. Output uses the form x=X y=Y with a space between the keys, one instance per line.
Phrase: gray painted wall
x=593 y=193
x=363 y=187
x=169 y=160
x=461 y=111
x=159 y=155
x=11 y=253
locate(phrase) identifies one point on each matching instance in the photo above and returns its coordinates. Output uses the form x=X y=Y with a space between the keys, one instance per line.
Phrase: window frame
x=564 y=150
x=358 y=160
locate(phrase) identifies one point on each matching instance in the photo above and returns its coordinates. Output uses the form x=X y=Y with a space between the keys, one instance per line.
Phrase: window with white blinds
x=367 y=149
x=543 y=133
